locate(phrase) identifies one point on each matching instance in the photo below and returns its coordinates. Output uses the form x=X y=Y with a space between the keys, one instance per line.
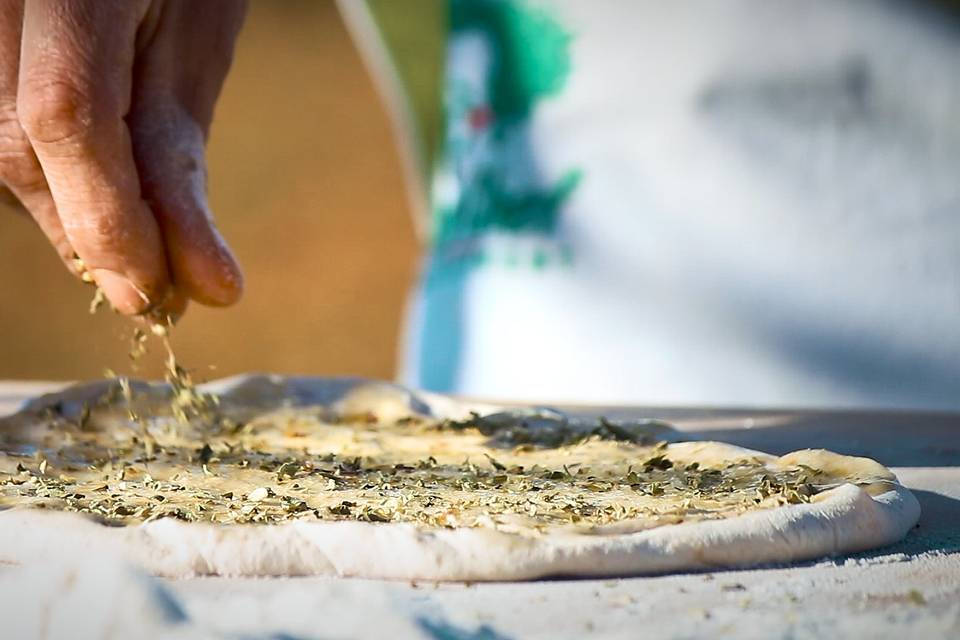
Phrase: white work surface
x=910 y=590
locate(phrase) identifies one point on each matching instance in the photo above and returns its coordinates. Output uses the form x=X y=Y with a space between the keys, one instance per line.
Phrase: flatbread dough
x=308 y=476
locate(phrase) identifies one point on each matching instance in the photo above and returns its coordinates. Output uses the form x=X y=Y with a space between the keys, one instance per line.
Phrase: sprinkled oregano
x=81 y=268
x=98 y=300
x=277 y=463
x=187 y=403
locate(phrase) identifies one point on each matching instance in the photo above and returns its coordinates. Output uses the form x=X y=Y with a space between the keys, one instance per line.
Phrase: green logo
x=503 y=59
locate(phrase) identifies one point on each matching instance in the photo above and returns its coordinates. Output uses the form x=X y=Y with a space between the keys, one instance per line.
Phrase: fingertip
x=227 y=288
x=123 y=295
x=207 y=270
x=173 y=308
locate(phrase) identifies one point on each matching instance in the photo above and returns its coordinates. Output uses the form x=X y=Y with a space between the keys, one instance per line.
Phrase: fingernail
x=122 y=294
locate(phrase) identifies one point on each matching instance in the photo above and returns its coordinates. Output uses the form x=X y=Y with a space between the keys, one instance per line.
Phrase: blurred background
x=307 y=188
x=771 y=229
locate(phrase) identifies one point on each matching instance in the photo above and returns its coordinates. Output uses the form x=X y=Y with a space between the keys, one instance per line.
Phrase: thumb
x=168 y=149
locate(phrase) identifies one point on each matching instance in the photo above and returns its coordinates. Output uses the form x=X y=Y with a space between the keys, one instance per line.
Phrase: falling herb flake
x=99 y=298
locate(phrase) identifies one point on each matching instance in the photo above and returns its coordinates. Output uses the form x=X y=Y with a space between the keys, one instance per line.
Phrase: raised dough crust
x=842 y=520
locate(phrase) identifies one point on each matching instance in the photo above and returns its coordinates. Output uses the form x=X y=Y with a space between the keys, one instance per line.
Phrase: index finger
x=74 y=92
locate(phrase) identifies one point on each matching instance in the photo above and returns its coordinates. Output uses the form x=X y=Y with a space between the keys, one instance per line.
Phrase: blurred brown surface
x=306 y=187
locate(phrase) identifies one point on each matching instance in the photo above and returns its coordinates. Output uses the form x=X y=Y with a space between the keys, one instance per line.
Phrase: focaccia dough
x=307 y=476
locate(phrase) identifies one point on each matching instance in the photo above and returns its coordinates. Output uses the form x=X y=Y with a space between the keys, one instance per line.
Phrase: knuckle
x=99 y=236
x=102 y=233
x=53 y=111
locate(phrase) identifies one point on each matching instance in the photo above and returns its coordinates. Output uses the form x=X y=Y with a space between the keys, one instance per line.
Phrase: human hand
x=105 y=106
